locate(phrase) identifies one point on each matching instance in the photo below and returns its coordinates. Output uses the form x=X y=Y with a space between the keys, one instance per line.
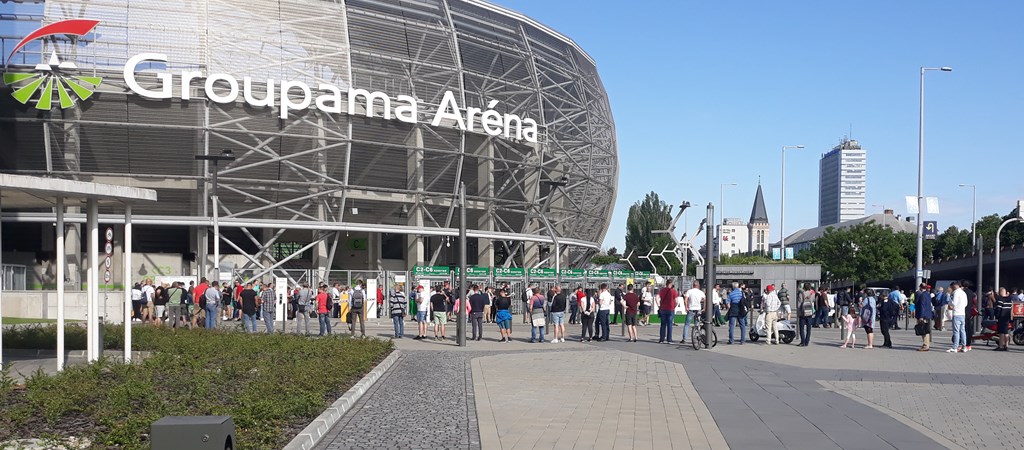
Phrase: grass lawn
x=22 y=320
x=271 y=385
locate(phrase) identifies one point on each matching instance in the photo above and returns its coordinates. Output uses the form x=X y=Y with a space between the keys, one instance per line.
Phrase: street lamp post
x=225 y=155
x=998 y=232
x=561 y=182
x=721 y=199
x=919 y=272
x=782 y=215
x=974 y=214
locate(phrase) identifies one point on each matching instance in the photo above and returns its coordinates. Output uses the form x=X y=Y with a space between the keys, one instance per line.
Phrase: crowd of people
x=547 y=311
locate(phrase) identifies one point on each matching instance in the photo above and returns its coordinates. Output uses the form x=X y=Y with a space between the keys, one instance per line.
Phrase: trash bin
x=193 y=432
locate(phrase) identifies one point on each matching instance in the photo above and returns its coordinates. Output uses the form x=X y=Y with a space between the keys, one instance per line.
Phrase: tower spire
x=759 y=213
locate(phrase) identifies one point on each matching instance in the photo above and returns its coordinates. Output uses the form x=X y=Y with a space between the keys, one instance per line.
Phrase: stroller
x=760 y=329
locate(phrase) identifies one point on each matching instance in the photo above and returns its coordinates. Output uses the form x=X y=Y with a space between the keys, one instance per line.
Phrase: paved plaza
x=644 y=395
x=622 y=395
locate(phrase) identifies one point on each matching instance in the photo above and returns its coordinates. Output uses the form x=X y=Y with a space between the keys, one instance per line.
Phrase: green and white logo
x=54 y=77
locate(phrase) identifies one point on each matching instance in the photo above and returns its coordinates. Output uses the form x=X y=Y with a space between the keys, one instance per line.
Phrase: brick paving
x=752 y=396
x=424 y=402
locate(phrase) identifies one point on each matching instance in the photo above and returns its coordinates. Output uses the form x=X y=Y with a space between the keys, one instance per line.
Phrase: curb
x=44 y=353
x=318 y=428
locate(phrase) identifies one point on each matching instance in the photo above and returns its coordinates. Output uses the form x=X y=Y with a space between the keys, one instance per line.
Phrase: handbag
x=313 y=314
x=922 y=328
x=539 y=322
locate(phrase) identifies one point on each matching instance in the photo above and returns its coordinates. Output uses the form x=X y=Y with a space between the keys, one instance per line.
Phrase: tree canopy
x=862 y=253
x=645 y=217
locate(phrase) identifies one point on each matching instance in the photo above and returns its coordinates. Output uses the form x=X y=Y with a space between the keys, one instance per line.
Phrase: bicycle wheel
x=695 y=340
x=714 y=338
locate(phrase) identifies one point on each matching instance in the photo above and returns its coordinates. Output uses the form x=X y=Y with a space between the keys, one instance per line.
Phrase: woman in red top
x=322 y=311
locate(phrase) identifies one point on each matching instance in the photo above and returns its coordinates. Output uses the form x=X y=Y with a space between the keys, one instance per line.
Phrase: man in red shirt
x=197 y=295
x=323 y=314
x=667 y=311
x=631 y=303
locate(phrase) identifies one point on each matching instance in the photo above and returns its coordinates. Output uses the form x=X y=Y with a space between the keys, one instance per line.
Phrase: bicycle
x=698 y=337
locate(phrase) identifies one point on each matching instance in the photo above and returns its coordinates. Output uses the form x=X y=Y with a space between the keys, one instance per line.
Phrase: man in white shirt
x=771 y=305
x=605 y=302
x=959 y=307
x=694 y=305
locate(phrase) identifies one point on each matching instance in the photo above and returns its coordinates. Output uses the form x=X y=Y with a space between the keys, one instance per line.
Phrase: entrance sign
x=293 y=95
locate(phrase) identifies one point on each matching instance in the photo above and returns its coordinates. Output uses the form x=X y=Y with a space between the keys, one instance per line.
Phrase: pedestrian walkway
x=589 y=399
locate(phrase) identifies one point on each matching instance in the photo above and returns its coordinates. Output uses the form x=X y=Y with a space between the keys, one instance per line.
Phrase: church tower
x=758 y=226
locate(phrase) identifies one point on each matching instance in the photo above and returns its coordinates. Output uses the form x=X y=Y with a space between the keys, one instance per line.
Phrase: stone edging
x=315 y=431
x=47 y=353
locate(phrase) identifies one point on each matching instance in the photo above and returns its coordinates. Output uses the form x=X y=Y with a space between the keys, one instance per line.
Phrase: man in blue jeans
x=666 y=311
x=737 y=313
x=212 y=295
x=694 y=305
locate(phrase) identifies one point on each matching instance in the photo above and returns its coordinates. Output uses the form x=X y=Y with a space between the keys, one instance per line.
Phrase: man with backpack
x=176 y=303
x=737 y=312
x=303 y=303
x=805 y=302
x=357 y=304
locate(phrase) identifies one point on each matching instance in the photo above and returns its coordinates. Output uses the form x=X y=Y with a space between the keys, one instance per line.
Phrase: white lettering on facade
x=293 y=95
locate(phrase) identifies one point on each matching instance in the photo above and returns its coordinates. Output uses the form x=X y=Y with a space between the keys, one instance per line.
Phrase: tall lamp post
x=554 y=184
x=974 y=214
x=919 y=272
x=721 y=199
x=227 y=156
x=782 y=215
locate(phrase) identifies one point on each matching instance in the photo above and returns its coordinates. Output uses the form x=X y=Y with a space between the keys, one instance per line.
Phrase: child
x=850 y=320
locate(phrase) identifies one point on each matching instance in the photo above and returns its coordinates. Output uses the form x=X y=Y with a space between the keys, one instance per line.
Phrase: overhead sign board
x=431 y=271
x=542 y=272
x=598 y=274
x=509 y=272
x=573 y=273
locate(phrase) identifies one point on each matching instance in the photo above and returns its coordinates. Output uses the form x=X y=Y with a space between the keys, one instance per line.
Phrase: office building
x=842 y=183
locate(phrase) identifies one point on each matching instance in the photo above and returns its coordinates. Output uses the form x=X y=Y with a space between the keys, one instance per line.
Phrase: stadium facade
x=352 y=123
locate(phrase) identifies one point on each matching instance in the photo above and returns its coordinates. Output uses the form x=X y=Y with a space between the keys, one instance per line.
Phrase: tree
x=862 y=253
x=952 y=243
x=601 y=259
x=644 y=218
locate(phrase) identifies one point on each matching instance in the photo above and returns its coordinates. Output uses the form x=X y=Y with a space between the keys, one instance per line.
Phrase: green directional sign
x=542 y=272
x=622 y=274
x=573 y=273
x=510 y=272
x=602 y=274
x=431 y=271
x=643 y=274
x=476 y=272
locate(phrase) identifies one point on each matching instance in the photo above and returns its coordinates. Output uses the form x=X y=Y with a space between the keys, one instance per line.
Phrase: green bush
x=271 y=385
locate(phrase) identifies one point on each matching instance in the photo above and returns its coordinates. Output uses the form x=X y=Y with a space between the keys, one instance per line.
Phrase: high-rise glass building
x=842 y=183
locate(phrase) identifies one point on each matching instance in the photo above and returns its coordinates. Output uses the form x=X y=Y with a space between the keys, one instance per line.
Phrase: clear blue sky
x=707 y=92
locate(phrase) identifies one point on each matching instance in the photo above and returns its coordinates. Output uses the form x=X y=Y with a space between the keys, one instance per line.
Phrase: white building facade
x=842 y=183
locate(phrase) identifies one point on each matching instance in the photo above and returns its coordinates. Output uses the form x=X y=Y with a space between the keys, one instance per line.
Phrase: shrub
x=271 y=385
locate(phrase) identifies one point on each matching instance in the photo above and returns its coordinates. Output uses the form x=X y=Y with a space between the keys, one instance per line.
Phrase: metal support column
x=93 y=249
x=709 y=273
x=61 y=263
x=461 y=326
x=128 y=283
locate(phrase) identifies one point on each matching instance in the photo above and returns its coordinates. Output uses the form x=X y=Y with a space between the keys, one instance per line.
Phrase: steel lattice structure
x=309 y=170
